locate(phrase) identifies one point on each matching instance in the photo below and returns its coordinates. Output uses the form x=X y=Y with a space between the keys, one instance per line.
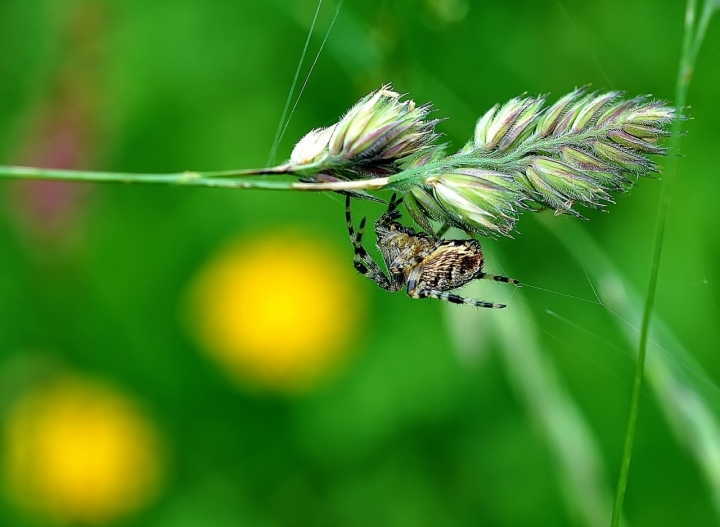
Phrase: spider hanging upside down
x=429 y=267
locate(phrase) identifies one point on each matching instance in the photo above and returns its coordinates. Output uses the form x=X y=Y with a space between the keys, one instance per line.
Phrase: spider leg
x=417 y=292
x=499 y=278
x=417 y=288
x=394 y=203
x=390 y=215
x=362 y=260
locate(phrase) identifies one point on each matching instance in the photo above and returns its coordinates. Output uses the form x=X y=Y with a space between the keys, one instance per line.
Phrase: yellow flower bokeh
x=79 y=451
x=277 y=311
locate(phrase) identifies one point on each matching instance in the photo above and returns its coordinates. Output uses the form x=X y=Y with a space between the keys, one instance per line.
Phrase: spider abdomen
x=450 y=265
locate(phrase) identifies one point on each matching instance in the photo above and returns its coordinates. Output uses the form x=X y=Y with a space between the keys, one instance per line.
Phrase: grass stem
x=693 y=35
x=216 y=179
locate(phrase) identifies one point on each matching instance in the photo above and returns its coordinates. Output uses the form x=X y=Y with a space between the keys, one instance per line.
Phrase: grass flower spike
x=372 y=137
x=522 y=155
x=575 y=151
x=485 y=199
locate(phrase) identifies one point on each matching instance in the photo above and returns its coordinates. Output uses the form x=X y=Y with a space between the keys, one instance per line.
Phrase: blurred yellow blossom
x=277 y=311
x=79 y=451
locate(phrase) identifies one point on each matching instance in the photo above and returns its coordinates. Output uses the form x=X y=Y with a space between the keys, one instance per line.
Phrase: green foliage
x=435 y=421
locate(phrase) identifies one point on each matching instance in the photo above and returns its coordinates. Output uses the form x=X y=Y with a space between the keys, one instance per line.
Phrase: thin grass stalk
x=691 y=45
x=216 y=179
x=686 y=394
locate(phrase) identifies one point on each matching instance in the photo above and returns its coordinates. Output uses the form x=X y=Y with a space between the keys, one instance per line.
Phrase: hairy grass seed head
x=522 y=155
x=372 y=136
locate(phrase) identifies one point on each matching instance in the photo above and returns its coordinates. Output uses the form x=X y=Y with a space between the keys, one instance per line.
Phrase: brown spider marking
x=427 y=266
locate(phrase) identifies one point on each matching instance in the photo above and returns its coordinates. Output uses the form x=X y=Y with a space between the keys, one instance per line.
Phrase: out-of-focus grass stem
x=693 y=36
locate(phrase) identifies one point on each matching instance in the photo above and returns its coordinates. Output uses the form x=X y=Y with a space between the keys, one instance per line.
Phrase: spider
x=428 y=266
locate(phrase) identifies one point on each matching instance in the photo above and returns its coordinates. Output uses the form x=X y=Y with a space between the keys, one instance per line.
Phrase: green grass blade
x=691 y=44
x=565 y=430
x=687 y=396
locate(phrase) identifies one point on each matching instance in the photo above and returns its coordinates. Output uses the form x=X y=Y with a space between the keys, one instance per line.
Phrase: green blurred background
x=441 y=415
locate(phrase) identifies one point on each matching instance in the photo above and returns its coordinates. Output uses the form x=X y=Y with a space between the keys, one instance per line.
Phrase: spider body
x=426 y=266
